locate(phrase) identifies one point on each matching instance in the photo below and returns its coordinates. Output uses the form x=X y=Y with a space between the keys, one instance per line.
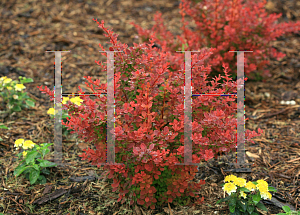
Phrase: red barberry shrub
x=149 y=125
x=226 y=25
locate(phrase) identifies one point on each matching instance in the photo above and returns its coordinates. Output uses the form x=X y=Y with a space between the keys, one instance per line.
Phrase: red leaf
x=149 y=167
x=115 y=184
x=143 y=147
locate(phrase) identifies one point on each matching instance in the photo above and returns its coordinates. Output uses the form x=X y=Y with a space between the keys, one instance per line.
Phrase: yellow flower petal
x=250 y=186
x=7 y=80
x=229 y=178
x=19 y=142
x=19 y=87
x=24 y=153
x=28 y=144
x=51 y=111
x=244 y=195
x=240 y=182
x=229 y=188
x=65 y=100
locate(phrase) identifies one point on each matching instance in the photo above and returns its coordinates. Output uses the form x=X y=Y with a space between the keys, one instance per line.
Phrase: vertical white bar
x=110 y=109
x=58 y=111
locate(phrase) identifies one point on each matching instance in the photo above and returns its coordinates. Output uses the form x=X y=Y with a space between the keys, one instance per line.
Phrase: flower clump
x=11 y=93
x=28 y=144
x=233 y=182
x=75 y=100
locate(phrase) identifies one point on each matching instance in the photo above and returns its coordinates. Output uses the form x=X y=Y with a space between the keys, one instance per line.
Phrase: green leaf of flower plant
x=261 y=206
x=42 y=179
x=3 y=127
x=256 y=198
x=20 y=169
x=244 y=189
x=16 y=108
x=30 y=103
x=45 y=171
x=232 y=201
x=223 y=200
x=243 y=206
x=272 y=189
x=27 y=80
x=219 y=201
x=45 y=151
x=236 y=212
x=250 y=208
x=34 y=175
x=46 y=163
x=30 y=156
x=286 y=208
x=232 y=208
x=36 y=167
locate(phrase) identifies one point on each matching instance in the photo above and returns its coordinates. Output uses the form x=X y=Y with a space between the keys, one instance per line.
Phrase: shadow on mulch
x=32 y=27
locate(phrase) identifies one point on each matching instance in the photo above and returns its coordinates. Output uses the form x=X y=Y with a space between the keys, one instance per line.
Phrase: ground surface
x=29 y=28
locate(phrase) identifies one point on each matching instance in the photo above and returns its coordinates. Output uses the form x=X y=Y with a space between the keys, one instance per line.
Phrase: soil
x=29 y=28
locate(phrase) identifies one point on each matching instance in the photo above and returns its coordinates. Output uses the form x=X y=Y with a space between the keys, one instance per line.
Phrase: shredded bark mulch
x=29 y=28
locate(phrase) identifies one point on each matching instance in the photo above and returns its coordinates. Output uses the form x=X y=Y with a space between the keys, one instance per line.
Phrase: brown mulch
x=29 y=28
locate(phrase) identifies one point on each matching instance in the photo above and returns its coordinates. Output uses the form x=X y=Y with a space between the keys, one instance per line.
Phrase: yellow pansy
x=266 y=195
x=76 y=100
x=3 y=78
x=229 y=178
x=28 y=144
x=19 y=143
x=262 y=186
x=51 y=111
x=229 y=188
x=19 y=87
x=65 y=100
x=250 y=186
x=7 y=80
x=240 y=182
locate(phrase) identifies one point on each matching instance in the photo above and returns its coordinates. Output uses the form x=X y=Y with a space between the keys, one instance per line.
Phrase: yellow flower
x=262 y=186
x=240 y=182
x=244 y=195
x=24 y=154
x=19 y=143
x=65 y=100
x=28 y=144
x=51 y=111
x=15 y=97
x=9 y=88
x=229 y=188
x=229 y=178
x=250 y=186
x=3 y=78
x=76 y=100
x=7 y=80
x=266 y=195
x=19 y=87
